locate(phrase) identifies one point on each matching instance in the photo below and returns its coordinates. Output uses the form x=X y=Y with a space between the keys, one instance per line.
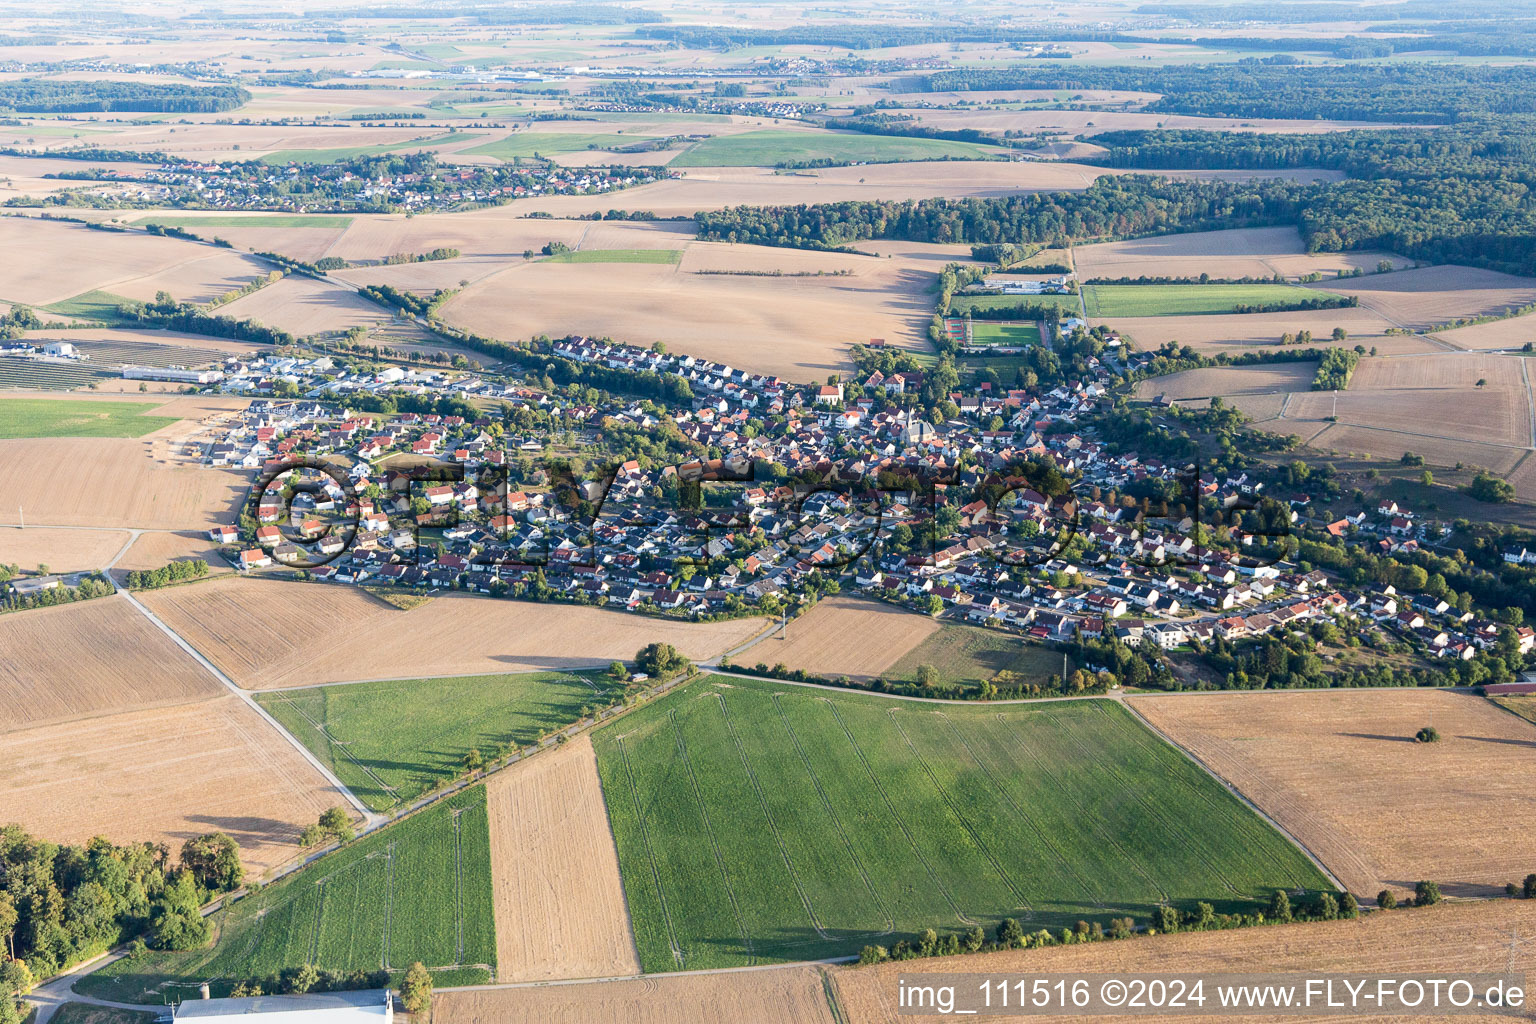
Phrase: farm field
x=303 y=305
x=1513 y=333
x=157 y=547
x=1111 y=300
x=1209 y=335
x=1315 y=760
x=1450 y=937
x=792 y=995
x=550 y=144
x=327 y=156
x=849 y=636
x=555 y=872
x=832 y=819
x=616 y=256
x=1523 y=705
x=1244 y=252
x=1430 y=296
x=768 y=148
x=797 y=327
x=393 y=740
x=104 y=307
x=267 y=634
x=164 y=773
x=60 y=550
x=114 y=483
x=1229 y=381
x=968 y=655
x=90 y=658
x=416 y=890
x=27 y=417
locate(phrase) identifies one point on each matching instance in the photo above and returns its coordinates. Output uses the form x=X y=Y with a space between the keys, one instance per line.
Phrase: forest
x=1417 y=93
x=61 y=96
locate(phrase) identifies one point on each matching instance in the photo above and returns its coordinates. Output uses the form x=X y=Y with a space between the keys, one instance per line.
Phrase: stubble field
x=270 y=634
x=164 y=774
x=60 y=550
x=1340 y=771
x=559 y=899
x=851 y=636
x=759 y=822
x=1451 y=938
x=1245 y=252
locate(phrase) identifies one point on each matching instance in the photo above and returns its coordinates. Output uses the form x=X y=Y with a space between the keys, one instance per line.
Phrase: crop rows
x=758 y=823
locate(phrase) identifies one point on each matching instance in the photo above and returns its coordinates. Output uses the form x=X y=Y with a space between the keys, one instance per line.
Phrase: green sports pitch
x=761 y=822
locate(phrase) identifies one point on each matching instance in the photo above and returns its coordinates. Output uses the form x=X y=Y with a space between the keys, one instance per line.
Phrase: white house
x=369 y=1006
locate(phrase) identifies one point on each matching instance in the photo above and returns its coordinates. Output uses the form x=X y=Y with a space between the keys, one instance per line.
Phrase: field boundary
x=1255 y=808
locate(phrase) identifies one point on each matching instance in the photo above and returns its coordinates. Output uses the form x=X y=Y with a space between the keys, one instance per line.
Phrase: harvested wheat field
x=78 y=660
x=560 y=910
x=1225 y=381
x=1245 y=252
x=303 y=305
x=66 y=260
x=155 y=548
x=496 y=232
x=713 y=188
x=1513 y=334
x=197 y=280
x=1456 y=938
x=115 y=482
x=850 y=636
x=1434 y=295
x=1493 y=415
x=1233 y=332
x=795 y=327
x=1363 y=442
x=60 y=550
x=270 y=634
x=789 y=995
x=1437 y=370
x=1341 y=772
x=165 y=775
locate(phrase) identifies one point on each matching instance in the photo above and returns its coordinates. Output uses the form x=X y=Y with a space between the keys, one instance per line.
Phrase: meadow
x=47 y=417
x=392 y=740
x=529 y=144
x=416 y=890
x=759 y=822
x=969 y=654
x=91 y=305
x=769 y=148
x=616 y=256
x=1106 y=300
x=1068 y=304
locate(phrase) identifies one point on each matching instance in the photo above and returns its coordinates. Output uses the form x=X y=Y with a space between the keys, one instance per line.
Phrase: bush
x=1426 y=894
x=1386 y=899
x=1428 y=734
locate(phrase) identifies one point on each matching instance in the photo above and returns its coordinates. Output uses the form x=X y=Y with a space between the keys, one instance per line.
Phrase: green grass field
x=275 y=220
x=417 y=890
x=983 y=333
x=393 y=740
x=970 y=654
x=92 y=305
x=330 y=156
x=528 y=144
x=616 y=256
x=768 y=148
x=47 y=417
x=961 y=303
x=1106 y=300
x=760 y=822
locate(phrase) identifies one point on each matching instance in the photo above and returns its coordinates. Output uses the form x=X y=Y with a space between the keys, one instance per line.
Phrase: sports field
x=392 y=740
x=768 y=148
x=983 y=333
x=760 y=822
x=47 y=417
x=616 y=256
x=417 y=890
x=1105 y=300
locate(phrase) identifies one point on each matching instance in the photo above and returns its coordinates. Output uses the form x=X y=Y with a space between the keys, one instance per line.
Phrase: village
x=432 y=502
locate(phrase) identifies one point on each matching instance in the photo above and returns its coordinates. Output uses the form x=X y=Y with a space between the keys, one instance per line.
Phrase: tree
x=474 y=760
x=176 y=916
x=1010 y=934
x=1427 y=478
x=1167 y=919
x=617 y=671
x=659 y=661
x=1528 y=889
x=1386 y=899
x=976 y=938
x=1426 y=894
x=337 y=822
x=1489 y=488
x=416 y=989
x=935 y=604
x=927 y=675
x=1280 y=906
x=1428 y=734
x=214 y=860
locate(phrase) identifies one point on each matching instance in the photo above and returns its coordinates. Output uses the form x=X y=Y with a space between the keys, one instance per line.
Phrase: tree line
x=72 y=96
x=171 y=572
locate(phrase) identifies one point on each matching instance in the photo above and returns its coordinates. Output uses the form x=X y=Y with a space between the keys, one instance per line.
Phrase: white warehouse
x=369 y=1006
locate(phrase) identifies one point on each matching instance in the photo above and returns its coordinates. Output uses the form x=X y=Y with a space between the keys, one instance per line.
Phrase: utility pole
x=21 y=516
